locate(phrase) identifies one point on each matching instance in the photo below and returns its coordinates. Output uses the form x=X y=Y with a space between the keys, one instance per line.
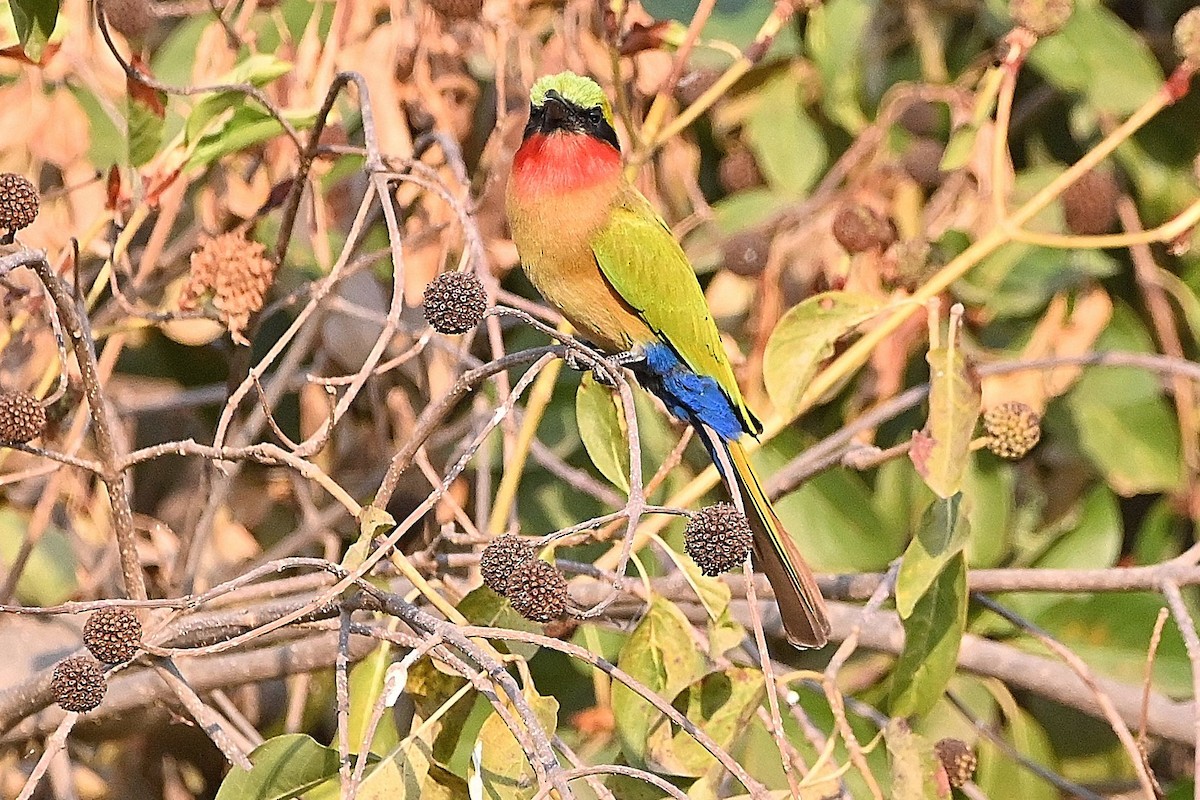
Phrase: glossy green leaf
x=998 y=774
x=942 y=534
x=932 y=634
x=789 y=147
x=258 y=69
x=246 y=127
x=805 y=337
x=661 y=654
x=721 y=703
x=942 y=450
x=283 y=767
x=504 y=767
x=35 y=21
x=366 y=685
x=603 y=430
x=912 y=762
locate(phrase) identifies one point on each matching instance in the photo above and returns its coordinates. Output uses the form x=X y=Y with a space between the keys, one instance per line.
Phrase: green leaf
x=713 y=593
x=35 y=21
x=146 y=111
x=504 y=767
x=787 y=143
x=283 y=767
x=721 y=703
x=932 y=634
x=835 y=35
x=482 y=606
x=49 y=575
x=246 y=127
x=942 y=534
x=603 y=430
x=259 y=69
x=998 y=774
x=661 y=654
x=1099 y=56
x=366 y=685
x=805 y=337
x=913 y=764
x=942 y=451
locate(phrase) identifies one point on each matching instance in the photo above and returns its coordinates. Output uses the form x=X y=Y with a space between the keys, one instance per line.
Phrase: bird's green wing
x=640 y=258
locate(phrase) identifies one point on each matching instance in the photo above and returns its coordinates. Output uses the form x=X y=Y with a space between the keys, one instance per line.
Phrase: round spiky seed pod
x=1013 y=429
x=745 y=253
x=113 y=635
x=739 y=170
x=957 y=759
x=18 y=201
x=718 y=538
x=78 y=684
x=455 y=302
x=1043 y=17
x=858 y=229
x=457 y=9
x=1090 y=204
x=22 y=417
x=1187 y=37
x=538 y=591
x=500 y=558
x=923 y=162
x=131 y=18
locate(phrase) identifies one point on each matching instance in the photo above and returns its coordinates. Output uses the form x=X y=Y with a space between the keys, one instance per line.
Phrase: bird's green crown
x=582 y=92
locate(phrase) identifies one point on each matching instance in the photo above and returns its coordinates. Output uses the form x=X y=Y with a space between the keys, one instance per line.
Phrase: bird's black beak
x=557 y=112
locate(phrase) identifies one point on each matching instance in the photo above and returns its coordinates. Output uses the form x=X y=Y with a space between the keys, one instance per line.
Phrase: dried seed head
x=745 y=253
x=500 y=558
x=457 y=9
x=237 y=273
x=858 y=229
x=1090 y=204
x=22 y=417
x=78 y=684
x=131 y=18
x=1013 y=429
x=718 y=538
x=694 y=84
x=18 y=201
x=113 y=635
x=957 y=759
x=538 y=591
x=1187 y=37
x=1042 y=17
x=455 y=302
x=739 y=170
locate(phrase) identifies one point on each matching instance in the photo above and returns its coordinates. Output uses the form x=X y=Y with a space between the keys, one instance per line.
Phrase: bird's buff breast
x=553 y=238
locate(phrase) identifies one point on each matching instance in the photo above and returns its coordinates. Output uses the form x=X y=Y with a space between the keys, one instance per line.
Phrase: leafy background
x=775 y=121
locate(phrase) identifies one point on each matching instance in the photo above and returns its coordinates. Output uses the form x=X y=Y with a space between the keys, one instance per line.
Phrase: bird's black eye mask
x=558 y=114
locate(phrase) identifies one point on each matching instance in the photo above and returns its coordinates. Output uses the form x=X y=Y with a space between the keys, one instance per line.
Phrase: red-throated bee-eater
x=596 y=249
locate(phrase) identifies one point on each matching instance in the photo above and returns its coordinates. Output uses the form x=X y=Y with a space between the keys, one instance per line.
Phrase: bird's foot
x=632 y=356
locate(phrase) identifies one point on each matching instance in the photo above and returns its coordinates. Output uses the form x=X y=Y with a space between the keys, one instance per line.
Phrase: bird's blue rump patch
x=691 y=397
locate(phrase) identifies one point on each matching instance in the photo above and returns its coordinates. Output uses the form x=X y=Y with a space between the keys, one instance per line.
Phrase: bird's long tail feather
x=801 y=608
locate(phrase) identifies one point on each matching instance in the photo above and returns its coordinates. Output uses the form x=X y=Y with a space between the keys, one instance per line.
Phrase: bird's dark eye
x=596 y=114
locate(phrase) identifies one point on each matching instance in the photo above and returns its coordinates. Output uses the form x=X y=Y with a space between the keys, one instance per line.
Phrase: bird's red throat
x=563 y=162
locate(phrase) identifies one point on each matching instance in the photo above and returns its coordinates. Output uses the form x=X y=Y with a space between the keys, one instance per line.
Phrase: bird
x=596 y=249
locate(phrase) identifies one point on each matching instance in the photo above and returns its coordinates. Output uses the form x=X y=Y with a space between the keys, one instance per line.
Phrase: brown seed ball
x=922 y=118
x=78 y=684
x=22 y=417
x=457 y=9
x=538 y=591
x=957 y=759
x=113 y=635
x=1043 y=17
x=745 y=253
x=1013 y=429
x=923 y=162
x=858 y=229
x=694 y=84
x=455 y=302
x=718 y=538
x=739 y=170
x=500 y=558
x=1090 y=204
x=1187 y=37
x=18 y=201
x=131 y=18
